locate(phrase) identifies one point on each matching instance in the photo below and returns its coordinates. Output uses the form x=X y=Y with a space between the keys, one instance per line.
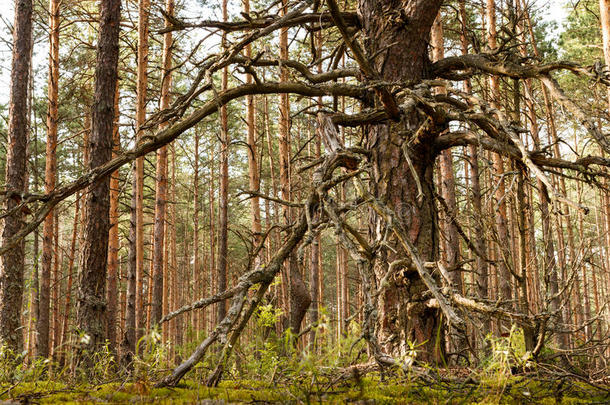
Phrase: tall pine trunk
x=161 y=192
x=223 y=193
x=12 y=262
x=42 y=346
x=113 y=236
x=142 y=83
x=92 y=298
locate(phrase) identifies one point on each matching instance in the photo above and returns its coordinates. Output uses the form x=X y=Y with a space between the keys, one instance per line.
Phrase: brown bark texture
x=12 y=262
x=91 y=310
x=404 y=316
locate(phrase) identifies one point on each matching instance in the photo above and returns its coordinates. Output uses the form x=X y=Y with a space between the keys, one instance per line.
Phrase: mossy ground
x=369 y=390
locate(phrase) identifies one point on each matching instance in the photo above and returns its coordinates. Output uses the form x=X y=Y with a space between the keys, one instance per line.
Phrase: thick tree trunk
x=92 y=297
x=160 y=204
x=405 y=317
x=42 y=346
x=12 y=262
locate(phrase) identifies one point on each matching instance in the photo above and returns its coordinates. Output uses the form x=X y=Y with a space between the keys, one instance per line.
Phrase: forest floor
x=367 y=390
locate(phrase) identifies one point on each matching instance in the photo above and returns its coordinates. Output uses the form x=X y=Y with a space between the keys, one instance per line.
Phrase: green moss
x=368 y=390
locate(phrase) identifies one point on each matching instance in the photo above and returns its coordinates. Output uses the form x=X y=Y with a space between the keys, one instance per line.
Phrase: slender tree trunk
x=315 y=271
x=35 y=276
x=128 y=343
x=68 y=300
x=451 y=244
x=253 y=171
x=176 y=292
x=223 y=193
x=113 y=235
x=12 y=262
x=160 y=203
x=482 y=276
x=56 y=286
x=298 y=296
x=142 y=83
x=42 y=326
x=92 y=297
x=504 y=275
x=211 y=193
x=196 y=265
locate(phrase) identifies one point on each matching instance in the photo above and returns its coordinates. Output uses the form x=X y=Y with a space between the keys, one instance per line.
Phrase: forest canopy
x=303 y=190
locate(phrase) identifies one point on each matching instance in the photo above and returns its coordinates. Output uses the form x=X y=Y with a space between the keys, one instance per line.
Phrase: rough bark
x=92 y=284
x=403 y=313
x=12 y=261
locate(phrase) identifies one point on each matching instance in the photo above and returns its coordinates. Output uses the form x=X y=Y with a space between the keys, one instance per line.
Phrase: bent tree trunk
x=398 y=34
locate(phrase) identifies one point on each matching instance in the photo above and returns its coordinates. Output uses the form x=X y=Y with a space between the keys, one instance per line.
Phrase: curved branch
x=449 y=67
x=154 y=142
x=260 y=22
